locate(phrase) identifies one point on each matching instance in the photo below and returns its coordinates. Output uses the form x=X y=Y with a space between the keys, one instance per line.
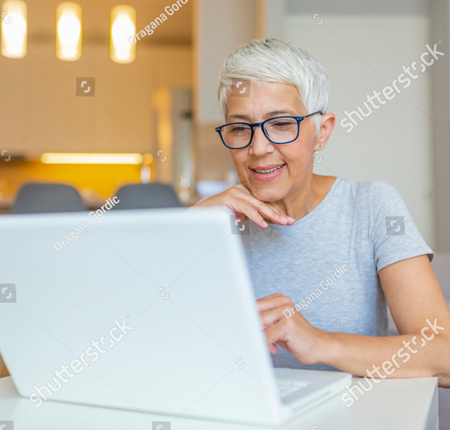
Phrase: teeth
x=265 y=172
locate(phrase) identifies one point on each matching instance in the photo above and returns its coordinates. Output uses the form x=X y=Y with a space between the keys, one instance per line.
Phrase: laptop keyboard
x=287 y=387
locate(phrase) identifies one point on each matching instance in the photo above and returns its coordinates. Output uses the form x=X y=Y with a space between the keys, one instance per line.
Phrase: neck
x=305 y=198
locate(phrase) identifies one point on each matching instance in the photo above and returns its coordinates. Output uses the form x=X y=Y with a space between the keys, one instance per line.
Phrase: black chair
x=146 y=196
x=41 y=197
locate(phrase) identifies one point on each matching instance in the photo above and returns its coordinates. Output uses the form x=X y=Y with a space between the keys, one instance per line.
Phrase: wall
x=219 y=28
x=363 y=53
x=440 y=30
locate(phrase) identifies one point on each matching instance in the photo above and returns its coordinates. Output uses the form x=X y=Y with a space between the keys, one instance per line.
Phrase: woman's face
x=269 y=100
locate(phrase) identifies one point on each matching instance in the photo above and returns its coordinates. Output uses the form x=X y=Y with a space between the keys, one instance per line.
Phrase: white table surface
x=393 y=404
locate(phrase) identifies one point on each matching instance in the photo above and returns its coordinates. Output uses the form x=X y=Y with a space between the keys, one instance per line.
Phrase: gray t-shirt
x=327 y=262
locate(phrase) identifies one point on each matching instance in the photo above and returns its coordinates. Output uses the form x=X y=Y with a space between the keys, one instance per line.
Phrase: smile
x=266 y=172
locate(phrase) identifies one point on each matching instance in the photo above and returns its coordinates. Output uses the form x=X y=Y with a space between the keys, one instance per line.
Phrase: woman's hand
x=245 y=206
x=290 y=330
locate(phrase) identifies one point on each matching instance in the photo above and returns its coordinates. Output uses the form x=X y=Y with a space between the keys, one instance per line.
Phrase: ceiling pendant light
x=123 y=25
x=68 y=31
x=14 y=29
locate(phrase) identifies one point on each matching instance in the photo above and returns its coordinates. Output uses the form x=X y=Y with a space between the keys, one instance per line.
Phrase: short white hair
x=274 y=60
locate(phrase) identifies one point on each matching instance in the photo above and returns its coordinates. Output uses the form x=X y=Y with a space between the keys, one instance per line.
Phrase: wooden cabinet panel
x=40 y=110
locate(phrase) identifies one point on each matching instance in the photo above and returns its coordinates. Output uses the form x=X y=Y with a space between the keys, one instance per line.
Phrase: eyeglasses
x=280 y=130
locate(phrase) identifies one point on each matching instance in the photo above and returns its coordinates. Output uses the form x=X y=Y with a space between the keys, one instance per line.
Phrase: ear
x=326 y=127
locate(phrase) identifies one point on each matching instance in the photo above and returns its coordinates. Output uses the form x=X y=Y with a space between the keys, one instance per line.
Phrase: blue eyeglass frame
x=261 y=124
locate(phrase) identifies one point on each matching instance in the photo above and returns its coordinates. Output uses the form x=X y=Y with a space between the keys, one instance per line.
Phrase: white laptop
x=148 y=310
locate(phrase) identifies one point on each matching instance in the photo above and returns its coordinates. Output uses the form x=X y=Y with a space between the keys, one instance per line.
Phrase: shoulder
x=369 y=198
x=366 y=198
x=386 y=199
x=374 y=189
x=383 y=189
x=356 y=190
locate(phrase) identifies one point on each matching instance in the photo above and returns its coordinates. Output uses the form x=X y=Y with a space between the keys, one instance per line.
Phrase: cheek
x=239 y=160
x=293 y=156
x=297 y=158
x=299 y=152
x=239 y=157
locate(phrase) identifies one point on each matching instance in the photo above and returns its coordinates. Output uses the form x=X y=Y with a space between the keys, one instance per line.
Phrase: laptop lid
x=147 y=310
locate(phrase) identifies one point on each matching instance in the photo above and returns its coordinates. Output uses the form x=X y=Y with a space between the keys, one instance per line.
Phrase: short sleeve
x=395 y=236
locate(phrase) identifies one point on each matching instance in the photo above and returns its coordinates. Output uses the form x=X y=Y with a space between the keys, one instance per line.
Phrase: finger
x=273 y=301
x=272 y=317
x=270 y=296
x=245 y=194
x=272 y=214
x=273 y=348
x=275 y=208
x=273 y=335
x=241 y=217
x=253 y=214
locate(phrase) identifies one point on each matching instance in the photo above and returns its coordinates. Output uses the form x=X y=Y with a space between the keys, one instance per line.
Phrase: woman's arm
x=422 y=318
x=420 y=313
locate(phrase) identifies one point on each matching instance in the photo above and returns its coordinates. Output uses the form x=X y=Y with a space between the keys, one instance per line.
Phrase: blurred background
x=85 y=103
x=80 y=105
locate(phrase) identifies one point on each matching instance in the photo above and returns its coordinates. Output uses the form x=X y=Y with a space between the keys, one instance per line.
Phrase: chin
x=267 y=194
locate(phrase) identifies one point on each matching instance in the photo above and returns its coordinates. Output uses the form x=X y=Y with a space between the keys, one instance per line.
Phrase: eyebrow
x=268 y=115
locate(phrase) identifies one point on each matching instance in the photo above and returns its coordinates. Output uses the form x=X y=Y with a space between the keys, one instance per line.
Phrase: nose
x=260 y=144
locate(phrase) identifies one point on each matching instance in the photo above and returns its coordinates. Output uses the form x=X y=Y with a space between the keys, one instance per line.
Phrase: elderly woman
x=326 y=254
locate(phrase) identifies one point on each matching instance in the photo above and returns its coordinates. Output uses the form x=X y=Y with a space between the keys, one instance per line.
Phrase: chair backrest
x=146 y=196
x=41 y=197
